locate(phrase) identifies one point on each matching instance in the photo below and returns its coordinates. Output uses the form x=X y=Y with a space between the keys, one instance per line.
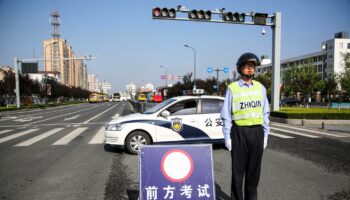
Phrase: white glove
x=228 y=144
x=265 y=142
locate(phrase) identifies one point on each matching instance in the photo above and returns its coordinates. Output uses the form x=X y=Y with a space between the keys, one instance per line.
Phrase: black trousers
x=246 y=153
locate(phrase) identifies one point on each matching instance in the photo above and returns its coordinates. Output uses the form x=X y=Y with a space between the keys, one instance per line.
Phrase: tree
x=331 y=85
x=265 y=79
x=345 y=76
x=9 y=83
x=307 y=78
x=320 y=86
x=300 y=79
x=291 y=85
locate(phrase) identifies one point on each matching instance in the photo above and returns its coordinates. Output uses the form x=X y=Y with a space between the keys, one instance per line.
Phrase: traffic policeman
x=246 y=126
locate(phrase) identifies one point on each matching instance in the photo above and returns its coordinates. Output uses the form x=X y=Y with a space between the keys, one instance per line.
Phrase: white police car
x=184 y=119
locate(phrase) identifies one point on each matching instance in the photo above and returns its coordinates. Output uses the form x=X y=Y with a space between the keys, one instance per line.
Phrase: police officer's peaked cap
x=248 y=57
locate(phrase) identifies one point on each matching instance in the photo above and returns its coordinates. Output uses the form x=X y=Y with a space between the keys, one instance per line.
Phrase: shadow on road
x=221 y=195
x=112 y=149
x=133 y=194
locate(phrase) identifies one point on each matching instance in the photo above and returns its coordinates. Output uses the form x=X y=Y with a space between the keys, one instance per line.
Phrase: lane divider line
x=100 y=114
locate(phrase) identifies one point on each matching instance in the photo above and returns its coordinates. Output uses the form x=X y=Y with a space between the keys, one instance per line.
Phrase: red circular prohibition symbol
x=177 y=165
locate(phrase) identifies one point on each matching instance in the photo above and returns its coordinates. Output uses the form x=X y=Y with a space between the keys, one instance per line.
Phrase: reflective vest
x=247 y=104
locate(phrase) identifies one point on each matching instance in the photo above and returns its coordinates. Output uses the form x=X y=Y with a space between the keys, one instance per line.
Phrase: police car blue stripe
x=187 y=132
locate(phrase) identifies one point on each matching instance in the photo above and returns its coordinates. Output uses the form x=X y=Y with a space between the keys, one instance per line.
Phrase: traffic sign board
x=225 y=70
x=176 y=172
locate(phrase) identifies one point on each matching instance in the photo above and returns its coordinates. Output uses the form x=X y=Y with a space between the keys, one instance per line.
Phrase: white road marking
x=280 y=135
x=38 y=138
x=62 y=115
x=295 y=133
x=66 y=139
x=99 y=137
x=10 y=137
x=27 y=119
x=5 y=131
x=311 y=131
x=70 y=118
x=100 y=114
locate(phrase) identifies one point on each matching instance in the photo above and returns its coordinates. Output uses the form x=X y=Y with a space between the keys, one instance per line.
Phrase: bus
x=98 y=97
x=116 y=96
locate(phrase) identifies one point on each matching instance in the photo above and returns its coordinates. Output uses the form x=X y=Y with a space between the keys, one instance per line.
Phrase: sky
x=131 y=46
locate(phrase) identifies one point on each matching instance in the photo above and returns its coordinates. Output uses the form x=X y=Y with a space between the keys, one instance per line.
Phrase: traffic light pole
x=259 y=19
x=276 y=62
x=16 y=61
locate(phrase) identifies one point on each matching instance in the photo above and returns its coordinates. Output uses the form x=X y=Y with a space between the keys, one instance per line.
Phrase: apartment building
x=328 y=61
x=72 y=72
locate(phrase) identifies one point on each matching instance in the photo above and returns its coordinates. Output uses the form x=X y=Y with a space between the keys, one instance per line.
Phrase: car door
x=182 y=123
x=209 y=119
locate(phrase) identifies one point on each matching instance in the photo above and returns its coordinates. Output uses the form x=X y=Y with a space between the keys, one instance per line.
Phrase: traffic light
x=260 y=18
x=163 y=13
x=233 y=17
x=199 y=14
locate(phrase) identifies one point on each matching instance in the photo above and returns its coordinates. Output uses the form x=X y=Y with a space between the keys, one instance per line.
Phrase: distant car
x=184 y=119
x=141 y=97
x=290 y=102
x=157 y=98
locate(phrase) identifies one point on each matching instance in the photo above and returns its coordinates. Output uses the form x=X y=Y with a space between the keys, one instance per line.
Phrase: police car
x=184 y=119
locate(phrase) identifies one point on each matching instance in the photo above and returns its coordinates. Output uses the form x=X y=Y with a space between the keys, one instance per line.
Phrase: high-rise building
x=60 y=57
x=131 y=89
x=93 y=84
x=106 y=87
x=53 y=63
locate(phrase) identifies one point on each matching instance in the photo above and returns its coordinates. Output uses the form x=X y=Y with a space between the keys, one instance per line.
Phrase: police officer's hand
x=265 y=142
x=228 y=144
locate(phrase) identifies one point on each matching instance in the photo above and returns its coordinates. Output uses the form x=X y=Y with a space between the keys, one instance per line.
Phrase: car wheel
x=135 y=140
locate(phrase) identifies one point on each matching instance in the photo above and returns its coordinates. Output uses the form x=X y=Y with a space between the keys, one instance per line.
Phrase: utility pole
x=217 y=79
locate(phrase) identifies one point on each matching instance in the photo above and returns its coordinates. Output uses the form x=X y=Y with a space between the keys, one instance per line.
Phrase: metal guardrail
x=140 y=107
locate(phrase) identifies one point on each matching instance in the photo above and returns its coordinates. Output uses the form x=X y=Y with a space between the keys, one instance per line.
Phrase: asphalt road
x=58 y=153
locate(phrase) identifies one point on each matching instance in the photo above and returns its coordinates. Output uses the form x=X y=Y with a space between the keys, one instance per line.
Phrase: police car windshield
x=159 y=106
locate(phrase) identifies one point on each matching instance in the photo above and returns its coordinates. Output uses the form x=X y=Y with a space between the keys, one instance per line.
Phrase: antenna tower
x=55 y=22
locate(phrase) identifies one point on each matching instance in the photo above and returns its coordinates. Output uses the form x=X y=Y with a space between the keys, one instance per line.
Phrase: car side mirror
x=165 y=113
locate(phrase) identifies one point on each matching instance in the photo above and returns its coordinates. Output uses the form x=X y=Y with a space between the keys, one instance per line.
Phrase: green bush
x=311 y=113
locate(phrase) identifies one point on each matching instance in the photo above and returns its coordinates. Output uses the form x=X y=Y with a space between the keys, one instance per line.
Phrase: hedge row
x=316 y=113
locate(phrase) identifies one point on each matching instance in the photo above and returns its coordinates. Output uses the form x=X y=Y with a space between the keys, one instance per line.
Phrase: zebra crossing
x=277 y=130
x=98 y=137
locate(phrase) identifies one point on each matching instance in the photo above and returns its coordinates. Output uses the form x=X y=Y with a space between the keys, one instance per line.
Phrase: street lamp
x=55 y=42
x=166 y=75
x=194 y=71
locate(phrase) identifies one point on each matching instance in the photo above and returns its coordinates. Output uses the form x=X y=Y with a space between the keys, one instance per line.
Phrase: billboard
x=27 y=68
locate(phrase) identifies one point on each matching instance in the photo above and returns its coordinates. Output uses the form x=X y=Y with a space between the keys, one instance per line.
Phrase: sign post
x=176 y=172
